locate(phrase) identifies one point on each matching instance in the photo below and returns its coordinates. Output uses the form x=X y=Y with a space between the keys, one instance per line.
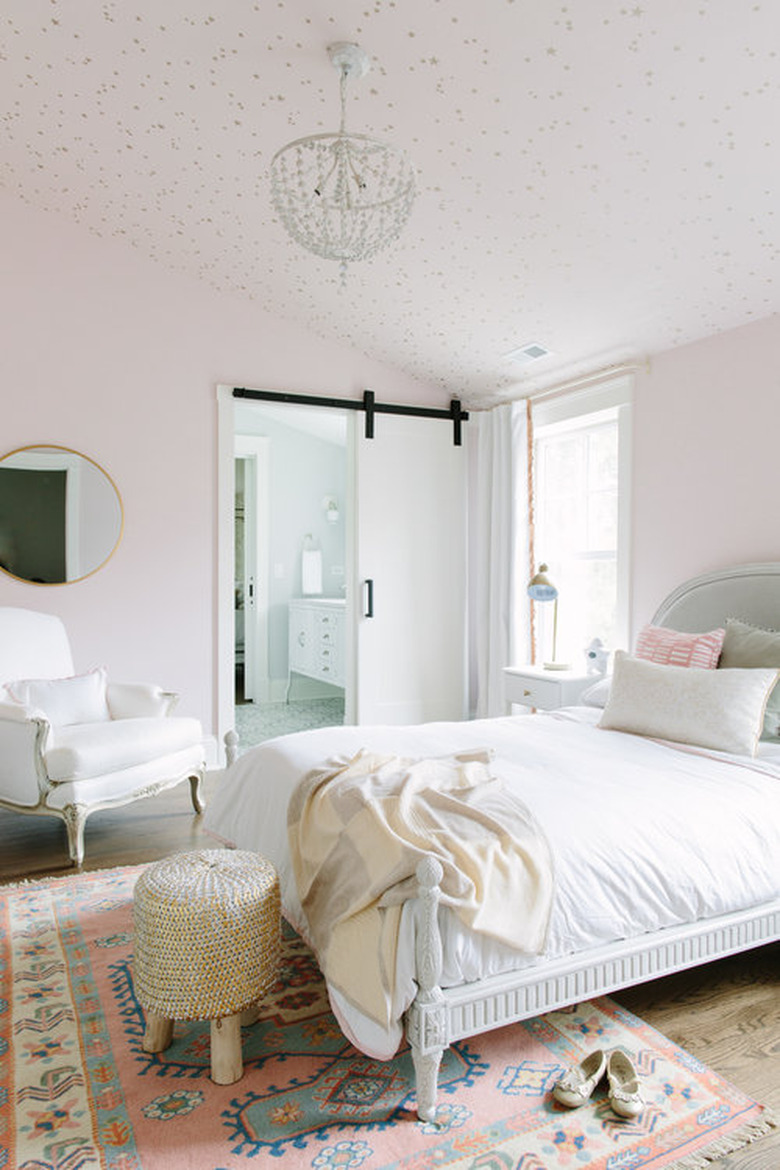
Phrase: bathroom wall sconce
x=331 y=509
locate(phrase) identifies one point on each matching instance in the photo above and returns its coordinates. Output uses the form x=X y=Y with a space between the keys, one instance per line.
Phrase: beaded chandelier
x=342 y=196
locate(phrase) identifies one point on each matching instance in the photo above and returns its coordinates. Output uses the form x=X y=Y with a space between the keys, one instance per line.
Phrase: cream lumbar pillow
x=718 y=709
x=749 y=646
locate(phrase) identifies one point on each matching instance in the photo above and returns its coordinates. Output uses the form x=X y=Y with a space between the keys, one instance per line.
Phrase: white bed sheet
x=644 y=834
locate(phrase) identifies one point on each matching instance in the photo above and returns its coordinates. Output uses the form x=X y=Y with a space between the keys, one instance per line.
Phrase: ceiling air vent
x=528 y=353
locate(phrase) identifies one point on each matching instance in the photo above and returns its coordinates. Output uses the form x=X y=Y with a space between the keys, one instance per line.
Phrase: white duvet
x=643 y=834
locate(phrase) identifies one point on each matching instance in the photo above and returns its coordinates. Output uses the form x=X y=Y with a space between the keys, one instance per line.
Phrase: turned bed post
x=231 y=747
x=426 y=1017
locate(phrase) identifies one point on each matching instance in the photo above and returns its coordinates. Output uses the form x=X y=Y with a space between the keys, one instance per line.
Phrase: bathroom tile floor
x=256 y=722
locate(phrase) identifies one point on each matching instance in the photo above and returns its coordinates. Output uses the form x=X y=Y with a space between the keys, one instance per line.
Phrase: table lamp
x=541 y=588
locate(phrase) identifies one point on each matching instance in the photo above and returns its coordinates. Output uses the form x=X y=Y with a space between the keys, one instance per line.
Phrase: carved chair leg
x=198 y=803
x=75 y=816
x=426 y=1071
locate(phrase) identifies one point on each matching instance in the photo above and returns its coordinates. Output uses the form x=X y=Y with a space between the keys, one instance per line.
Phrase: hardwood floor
x=726 y=1013
x=36 y=847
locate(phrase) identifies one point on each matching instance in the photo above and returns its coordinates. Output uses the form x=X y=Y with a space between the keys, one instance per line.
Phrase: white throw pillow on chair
x=80 y=699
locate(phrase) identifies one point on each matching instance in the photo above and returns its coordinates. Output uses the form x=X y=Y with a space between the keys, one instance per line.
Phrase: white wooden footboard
x=438 y=1016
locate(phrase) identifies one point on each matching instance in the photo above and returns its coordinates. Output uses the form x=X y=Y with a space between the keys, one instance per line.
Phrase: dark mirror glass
x=60 y=515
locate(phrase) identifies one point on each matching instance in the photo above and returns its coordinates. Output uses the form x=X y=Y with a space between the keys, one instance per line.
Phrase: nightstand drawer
x=533 y=687
x=536 y=692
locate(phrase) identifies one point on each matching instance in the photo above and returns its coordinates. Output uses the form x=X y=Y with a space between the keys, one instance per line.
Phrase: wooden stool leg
x=250 y=1016
x=158 y=1034
x=227 y=1064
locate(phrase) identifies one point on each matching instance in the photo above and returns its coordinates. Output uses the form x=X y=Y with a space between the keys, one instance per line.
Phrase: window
x=581 y=480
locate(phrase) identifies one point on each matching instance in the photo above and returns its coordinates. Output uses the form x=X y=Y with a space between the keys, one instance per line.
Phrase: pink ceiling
x=597 y=177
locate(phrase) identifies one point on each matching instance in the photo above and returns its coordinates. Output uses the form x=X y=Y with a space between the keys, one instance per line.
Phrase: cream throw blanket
x=358 y=829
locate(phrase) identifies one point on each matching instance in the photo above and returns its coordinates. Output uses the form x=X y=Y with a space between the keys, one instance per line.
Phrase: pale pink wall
x=108 y=353
x=706 y=468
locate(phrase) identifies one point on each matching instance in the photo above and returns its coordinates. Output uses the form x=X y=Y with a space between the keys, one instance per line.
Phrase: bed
x=665 y=854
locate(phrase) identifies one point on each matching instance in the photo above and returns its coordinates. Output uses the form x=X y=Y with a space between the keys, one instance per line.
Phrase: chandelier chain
x=343 y=95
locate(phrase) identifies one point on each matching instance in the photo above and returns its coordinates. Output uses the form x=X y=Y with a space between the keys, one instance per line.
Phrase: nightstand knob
x=526 y=694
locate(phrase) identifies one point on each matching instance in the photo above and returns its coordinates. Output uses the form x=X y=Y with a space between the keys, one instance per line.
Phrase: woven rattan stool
x=207 y=945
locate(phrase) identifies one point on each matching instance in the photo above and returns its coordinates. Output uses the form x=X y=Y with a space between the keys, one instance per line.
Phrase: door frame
x=226 y=567
x=255 y=451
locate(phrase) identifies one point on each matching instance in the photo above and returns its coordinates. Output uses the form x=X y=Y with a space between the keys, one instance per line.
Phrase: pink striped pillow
x=672 y=648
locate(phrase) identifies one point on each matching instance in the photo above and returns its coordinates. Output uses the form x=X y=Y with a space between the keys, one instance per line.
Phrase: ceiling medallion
x=342 y=196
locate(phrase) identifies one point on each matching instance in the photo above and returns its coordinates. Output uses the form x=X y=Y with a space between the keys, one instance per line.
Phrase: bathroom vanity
x=317 y=639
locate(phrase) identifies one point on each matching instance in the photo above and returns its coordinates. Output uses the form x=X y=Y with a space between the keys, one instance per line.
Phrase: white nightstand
x=533 y=686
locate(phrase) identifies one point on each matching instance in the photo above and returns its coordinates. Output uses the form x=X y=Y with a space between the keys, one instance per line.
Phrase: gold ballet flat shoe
x=625 y=1095
x=577 y=1083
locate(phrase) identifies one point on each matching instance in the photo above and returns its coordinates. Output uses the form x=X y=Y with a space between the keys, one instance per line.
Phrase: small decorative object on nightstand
x=596 y=657
x=536 y=686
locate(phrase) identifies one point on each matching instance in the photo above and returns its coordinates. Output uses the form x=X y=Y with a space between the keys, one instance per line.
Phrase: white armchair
x=72 y=744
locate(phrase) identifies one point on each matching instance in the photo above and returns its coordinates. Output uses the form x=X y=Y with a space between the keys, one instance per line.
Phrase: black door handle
x=368 y=598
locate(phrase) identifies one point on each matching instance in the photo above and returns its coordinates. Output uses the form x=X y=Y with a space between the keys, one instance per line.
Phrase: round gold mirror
x=60 y=515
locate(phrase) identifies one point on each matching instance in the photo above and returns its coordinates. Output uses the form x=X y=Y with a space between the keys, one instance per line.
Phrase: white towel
x=311 y=571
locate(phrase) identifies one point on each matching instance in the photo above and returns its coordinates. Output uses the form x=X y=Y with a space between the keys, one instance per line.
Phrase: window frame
x=561 y=412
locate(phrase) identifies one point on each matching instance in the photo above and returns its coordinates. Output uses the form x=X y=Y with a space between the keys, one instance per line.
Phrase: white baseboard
x=301 y=688
x=215 y=754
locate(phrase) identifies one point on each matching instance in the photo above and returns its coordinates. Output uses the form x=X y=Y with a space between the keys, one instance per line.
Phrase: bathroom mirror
x=60 y=515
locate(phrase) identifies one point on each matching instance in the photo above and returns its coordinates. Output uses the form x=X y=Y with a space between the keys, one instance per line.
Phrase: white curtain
x=499 y=551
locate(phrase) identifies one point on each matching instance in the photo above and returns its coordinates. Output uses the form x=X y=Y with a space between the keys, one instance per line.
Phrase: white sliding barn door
x=410 y=505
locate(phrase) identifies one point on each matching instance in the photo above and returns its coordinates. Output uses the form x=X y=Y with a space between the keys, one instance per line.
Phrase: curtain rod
x=587 y=380
x=456 y=415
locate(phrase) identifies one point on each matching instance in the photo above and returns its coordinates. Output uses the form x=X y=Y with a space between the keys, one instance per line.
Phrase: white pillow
x=597 y=694
x=750 y=646
x=81 y=699
x=718 y=709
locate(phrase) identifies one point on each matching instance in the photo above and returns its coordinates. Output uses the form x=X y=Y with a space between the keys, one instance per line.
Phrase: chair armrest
x=18 y=713
x=138 y=700
x=23 y=737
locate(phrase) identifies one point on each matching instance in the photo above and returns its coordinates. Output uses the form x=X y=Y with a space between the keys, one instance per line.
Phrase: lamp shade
x=540 y=587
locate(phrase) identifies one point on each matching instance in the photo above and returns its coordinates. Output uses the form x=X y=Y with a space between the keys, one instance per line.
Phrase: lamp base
x=557 y=666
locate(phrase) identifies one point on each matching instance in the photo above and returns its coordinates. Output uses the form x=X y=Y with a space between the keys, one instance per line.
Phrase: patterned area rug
x=77 y=1091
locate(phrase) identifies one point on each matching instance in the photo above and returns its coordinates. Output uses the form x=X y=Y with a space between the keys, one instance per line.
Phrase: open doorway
x=290 y=476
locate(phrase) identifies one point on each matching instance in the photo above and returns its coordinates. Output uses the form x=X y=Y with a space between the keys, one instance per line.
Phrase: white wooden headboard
x=748 y=592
